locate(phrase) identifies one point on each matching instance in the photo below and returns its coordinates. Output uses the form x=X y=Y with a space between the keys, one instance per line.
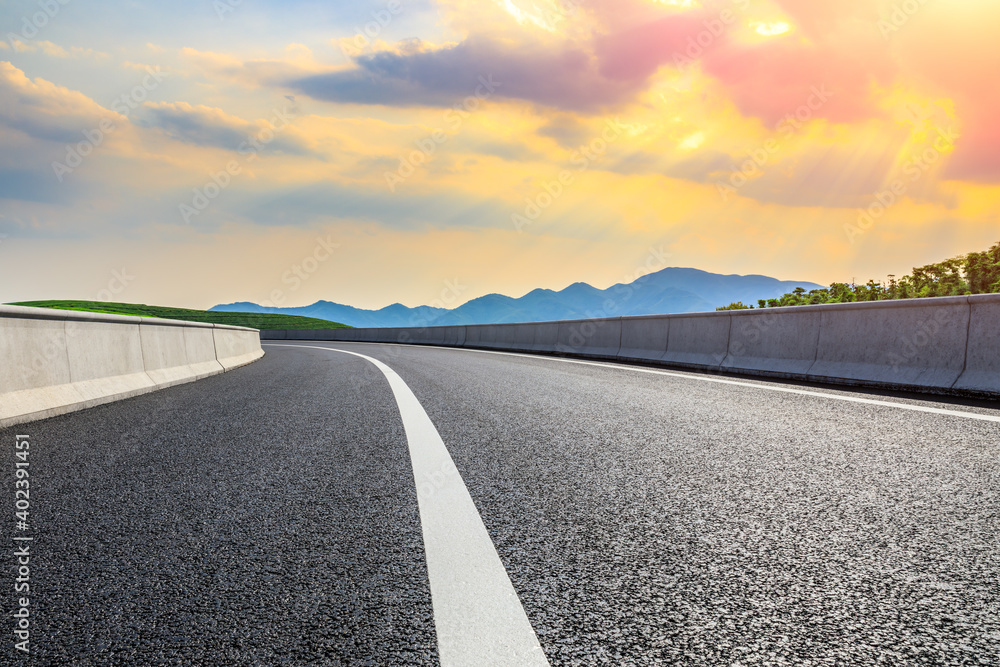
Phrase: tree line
x=974 y=273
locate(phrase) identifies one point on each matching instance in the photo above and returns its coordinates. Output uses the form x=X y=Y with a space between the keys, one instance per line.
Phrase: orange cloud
x=46 y=111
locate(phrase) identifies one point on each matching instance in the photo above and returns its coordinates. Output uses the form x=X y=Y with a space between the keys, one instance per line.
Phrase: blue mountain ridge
x=671 y=290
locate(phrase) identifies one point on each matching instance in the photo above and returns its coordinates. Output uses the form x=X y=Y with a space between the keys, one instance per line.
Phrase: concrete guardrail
x=57 y=361
x=947 y=345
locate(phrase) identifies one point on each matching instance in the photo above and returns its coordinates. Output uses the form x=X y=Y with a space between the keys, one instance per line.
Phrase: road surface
x=271 y=516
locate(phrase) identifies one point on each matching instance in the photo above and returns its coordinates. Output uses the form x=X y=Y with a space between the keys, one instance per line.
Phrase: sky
x=428 y=152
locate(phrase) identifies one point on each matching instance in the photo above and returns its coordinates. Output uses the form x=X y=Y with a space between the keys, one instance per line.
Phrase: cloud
x=819 y=19
x=322 y=201
x=960 y=65
x=772 y=79
x=610 y=68
x=635 y=53
x=46 y=111
x=567 y=131
x=510 y=151
x=33 y=185
x=831 y=177
x=53 y=50
x=768 y=78
x=253 y=73
x=702 y=167
x=977 y=157
x=564 y=78
x=144 y=67
x=209 y=126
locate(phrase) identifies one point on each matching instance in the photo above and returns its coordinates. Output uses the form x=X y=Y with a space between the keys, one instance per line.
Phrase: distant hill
x=672 y=290
x=254 y=320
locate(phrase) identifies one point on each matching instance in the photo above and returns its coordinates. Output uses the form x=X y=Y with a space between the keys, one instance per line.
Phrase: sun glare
x=683 y=4
x=545 y=14
x=692 y=142
x=770 y=29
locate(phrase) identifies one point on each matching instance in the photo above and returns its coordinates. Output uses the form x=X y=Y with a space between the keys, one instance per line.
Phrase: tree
x=841 y=293
x=941 y=279
x=982 y=271
x=975 y=273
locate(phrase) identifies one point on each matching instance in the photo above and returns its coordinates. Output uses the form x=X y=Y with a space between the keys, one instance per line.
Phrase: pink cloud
x=977 y=152
x=818 y=19
x=636 y=53
x=768 y=79
x=773 y=79
x=961 y=66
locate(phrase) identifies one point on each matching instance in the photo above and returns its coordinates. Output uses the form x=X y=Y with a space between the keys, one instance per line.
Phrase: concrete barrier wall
x=236 y=346
x=699 y=341
x=55 y=361
x=454 y=336
x=943 y=345
x=202 y=359
x=778 y=341
x=982 y=361
x=164 y=353
x=34 y=367
x=545 y=333
x=597 y=339
x=480 y=335
x=511 y=337
x=907 y=343
x=644 y=338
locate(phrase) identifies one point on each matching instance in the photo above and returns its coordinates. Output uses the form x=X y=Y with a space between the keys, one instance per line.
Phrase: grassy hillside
x=253 y=320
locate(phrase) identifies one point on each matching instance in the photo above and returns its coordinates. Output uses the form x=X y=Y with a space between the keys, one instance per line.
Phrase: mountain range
x=671 y=290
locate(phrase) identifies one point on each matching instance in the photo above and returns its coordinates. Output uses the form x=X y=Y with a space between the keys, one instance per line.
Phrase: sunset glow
x=771 y=29
x=206 y=149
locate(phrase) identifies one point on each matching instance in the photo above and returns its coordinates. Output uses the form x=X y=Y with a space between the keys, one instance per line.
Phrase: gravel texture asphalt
x=268 y=516
x=265 y=516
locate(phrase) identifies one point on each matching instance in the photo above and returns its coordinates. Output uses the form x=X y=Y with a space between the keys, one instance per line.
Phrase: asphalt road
x=270 y=516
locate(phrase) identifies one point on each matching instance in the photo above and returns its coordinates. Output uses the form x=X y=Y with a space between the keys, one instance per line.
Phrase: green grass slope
x=252 y=320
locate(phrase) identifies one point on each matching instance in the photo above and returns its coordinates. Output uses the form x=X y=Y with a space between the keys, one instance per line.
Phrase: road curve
x=270 y=516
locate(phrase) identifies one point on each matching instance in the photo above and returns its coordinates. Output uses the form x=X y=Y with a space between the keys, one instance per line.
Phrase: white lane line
x=477 y=614
x=768 y=387
x=702 y=378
